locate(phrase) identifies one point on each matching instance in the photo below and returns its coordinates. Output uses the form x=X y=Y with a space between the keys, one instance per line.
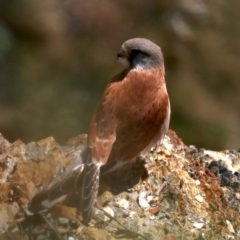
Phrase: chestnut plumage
x=132 y=116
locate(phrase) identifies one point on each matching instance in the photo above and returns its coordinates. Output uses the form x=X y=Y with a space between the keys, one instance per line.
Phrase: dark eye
x=134 y=53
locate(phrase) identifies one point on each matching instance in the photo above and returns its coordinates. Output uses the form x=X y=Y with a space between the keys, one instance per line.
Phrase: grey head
x=140 y=53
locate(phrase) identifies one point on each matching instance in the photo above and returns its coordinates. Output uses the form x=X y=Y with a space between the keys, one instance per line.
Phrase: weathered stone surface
x=182 y=195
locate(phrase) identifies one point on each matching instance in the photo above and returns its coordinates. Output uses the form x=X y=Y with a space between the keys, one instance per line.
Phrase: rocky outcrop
x=174 y=192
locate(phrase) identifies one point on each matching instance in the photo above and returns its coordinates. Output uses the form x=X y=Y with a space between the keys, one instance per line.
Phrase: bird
x=61 y=188
x=132 y=116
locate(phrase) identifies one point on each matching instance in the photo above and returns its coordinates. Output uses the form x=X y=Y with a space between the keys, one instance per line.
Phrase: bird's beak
x=121 y=54
x=122 y=57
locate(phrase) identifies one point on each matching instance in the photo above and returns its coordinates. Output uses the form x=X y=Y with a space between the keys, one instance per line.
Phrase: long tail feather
x=90 y=188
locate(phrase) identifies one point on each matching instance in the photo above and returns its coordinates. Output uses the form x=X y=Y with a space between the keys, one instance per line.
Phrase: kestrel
x=132 y=115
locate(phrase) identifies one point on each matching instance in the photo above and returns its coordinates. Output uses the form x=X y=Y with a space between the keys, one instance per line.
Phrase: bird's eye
x=137 y=56
x=134 y=53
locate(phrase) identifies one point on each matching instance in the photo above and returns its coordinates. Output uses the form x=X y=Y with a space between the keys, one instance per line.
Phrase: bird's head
x=140 y=53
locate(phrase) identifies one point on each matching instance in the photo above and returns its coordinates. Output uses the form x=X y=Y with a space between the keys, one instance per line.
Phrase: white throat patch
x=124 y=62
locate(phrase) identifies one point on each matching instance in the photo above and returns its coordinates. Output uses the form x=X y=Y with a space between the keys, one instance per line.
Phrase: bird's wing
x=61 y=187
x=101 y=136
x=129 y=116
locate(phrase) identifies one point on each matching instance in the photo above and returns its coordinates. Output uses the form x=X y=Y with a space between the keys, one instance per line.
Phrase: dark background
x=57 y=56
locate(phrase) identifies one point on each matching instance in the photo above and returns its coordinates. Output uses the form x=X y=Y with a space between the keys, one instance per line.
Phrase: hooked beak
x=121 y=54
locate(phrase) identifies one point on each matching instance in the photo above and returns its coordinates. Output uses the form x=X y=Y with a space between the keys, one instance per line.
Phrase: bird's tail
x=90 y=188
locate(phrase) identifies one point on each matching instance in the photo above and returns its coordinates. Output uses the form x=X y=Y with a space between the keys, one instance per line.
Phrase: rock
x=198 y=225
x=109 y=211
x=192 y=201
x=123 y=203
x=199 y=198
